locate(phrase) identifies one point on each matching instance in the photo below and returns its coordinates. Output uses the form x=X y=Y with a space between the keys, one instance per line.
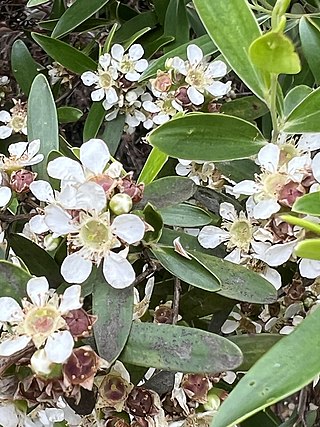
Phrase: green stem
x=273 y=106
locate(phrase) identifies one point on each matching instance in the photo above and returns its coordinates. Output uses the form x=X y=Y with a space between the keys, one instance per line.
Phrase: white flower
x=130 y=64
x=22 y=154
x=163 y=109
x=200 y=76
x=104 y=80
x=40 y=321
x=16 y=122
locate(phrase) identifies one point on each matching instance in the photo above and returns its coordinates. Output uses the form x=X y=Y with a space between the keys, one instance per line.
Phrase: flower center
x=273 y=184
x=41 y=321
x=196 y=78
x=126 y=65
x=95 y=233
x=18 y=123
x=241 y=234
x=287 y=152
x=105 y=80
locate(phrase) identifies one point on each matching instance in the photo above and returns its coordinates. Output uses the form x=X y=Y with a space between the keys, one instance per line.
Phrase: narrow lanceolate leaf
x=309 y=248
x=42 y=121
x=185 y=215
x=153 y=166
x=13 y=280
x=188 y=270
x=177 y=348
x=209 y=137
x=306 y=116
x=32 y=3
x=294 y=97
x=288 y=366
x=176 y=12
x=94 y=121
x=71 y=58
x=233 y=27
x=310 y=41
x=23 y=65
x=114 y=308
x=77 y=13
x=69 y=114
x=237 y=282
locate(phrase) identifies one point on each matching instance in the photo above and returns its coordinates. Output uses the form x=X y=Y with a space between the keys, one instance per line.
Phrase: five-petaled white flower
x=131 y=64
x=40 y=321
x=16 y=122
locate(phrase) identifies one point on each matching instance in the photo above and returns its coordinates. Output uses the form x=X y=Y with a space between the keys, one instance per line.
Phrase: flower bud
x=120 y=203
x=140 y=402
x=51 y=243
x=21 y=180
x=42 y=366
x=79 y=322
x=162 y=82
x=182 y=98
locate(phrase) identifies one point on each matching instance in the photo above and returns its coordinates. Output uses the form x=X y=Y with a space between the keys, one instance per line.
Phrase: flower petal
x=216 y=69
x=268 y=157
x=194 y=54
x=105 y=60
x=66 y=169
x=128 y=227
x=70 y=299
x=90 y=196
x=141 y=65
x=118 y=271
x=42 y=190
x=228 y=212
x=59 y=221
x=38 y=224
x=211 y=236
x=5 y=132
x=94 y=155
x=5 y=117
x=10 y=310
x=8 y=415
x=309 y=142
x=59 y=346
x=117 y=52
x=37 y=290
x=111 y=95
x=265 y=208
x=5 y=196
x=132 y=76
x=316 y=167
x=89 y=78
x=309 y=268
x=136 y=52
x=98 y=94
x=234 y=256
x=246 y=187
x=76 y=269
x=219 y=89
x=14 y=344
x=278 y=254
x=16 y=150
x=195 y=96
x=273 y=276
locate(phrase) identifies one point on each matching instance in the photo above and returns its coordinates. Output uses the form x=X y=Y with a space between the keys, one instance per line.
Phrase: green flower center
x=241 y=234
x=17 y=123
x=105 y=80
x=95 y=233
x=273 y=184
x=196 y=78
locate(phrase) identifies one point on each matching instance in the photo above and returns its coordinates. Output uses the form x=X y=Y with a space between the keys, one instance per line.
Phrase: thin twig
x=176 y=300
x=12 y=218
x=302 y=407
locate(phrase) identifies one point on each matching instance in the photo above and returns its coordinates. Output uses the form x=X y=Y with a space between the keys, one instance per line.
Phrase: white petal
x=309 y=268
x=211 y=236
x=228 y=212
x=229 y=326
x=90 y=196
x=273 y=276
x=114 y=170
x=94 y=155
x=98 y=94
x=316 y=167
x=89 y=78
x=42 y=190
x=36 y=159
x=70 y=299
x=309 y=142
x=216 y=69
x=152 y=107
x=33 y=147
x=234 y=256
x=11 y=346
x=278 y=254
x=128 y=227
x=161 y=118
x=105 y=61
x=37 y=290
x=195 y=96
x=117 y=52
x=5 y=196
x=17 y=149
x=111 y=96
x=132 y=76
x=182 y=170
x=297 y=165
x=10 y=310
x=75 y=269
x=265 y=208
x=118 y=271
x=5 y=117
x=59 y=346
x=5 y=132
x=136 y=52
x=268 y=157
x=38 y=224
x=194 y=54
x=246 y=187
x=66 y=169
x=219 y=89
x=141 y=65
x=8 y=415
x=59 y=221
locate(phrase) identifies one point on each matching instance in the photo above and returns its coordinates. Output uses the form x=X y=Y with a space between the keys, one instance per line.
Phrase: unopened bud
x=21 y=180
x=79 y=322
x=41 y=365
x=120 y=204
x=162 y=82
x=182 y=97
x=51 y=243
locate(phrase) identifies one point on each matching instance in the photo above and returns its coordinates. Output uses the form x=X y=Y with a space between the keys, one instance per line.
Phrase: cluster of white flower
x=183 y=86
x=14 y=121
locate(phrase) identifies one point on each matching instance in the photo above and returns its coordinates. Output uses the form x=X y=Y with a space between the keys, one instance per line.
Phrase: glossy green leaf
x=294 y=97
x=168 y=191
x=69 y=114
x=188 y=241
x=185 y=215
x=247 y=108
x=153 y=166
x=253 y=347
x=13 y=280
x=129 y=28
x=309 y=248
x=152 y=47
x=188 y=270
x=71 y=58
x=233 y=27
x=38 y=261
x=308 y=204
x=306 y=116
x=176 y=13
x=177 y=348
x=212 y=199
x=77 y=13
x=237 y=282
x=204 y=42
x=113 y=132
x=114 y=309
x=310 y=43
x=274 y=52
x=153 y=218
x=42 y=121
x=94 y=121
x=32 y=3
x=287 y=367
x=238 y=170
x=304 y=223
x=209 y=137
x=24 y=67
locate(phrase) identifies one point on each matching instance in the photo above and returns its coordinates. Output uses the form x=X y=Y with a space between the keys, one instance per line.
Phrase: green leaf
x=306 y=116
x=168 y=191
x=77 y=13
x=238 y=170
x=309 y=248
x=71 y=58
x=153 y=166
x=153 y=218
x=127 y=43
x=13 y=280
x=129 y=28
x=38 y=261
x=308 y=204
x=24 y=67
x=32 y=3
x=113 y=132
x=310 y=43
x=177 y=348
x=176 y=13
x=308 y=225
x=188 y=270
x=274 y=52
x=248 y=108
x=253 y=347
x=204 y=42
x=93 y=121
x=187 y=240
x=209 y=137
x=232 y=27
x=287 y=367
x=42 y=121
x=294 y=97
x=185 y=215
x=237 y=282
x=69 y=114
x=114 y=308
x=212 y=199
